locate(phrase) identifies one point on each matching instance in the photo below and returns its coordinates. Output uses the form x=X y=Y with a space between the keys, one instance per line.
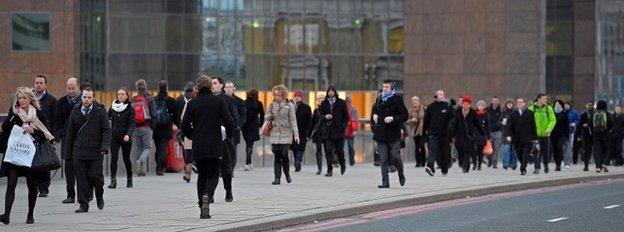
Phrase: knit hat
x=298 y=93
x=466 y=99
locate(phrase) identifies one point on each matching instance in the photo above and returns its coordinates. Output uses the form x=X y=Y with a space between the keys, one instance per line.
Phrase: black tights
x=125 y=149
x=10 y=192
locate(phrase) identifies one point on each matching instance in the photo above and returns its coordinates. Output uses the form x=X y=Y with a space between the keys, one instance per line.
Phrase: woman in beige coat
x=281 y=115
x=417 y=113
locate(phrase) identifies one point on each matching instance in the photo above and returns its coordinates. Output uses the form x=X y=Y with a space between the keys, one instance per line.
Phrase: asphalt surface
x=570 y=208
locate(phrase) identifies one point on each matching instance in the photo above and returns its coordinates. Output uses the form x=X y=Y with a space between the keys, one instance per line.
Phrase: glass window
x=209 y=34
x=230 y=35
x=30 y=31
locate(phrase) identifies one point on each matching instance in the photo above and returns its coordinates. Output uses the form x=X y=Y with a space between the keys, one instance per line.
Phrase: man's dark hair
x=162 y=86
x=85 y=85
x=220 y=79
x=88 y=89
x=540 y=95
x=45 y=79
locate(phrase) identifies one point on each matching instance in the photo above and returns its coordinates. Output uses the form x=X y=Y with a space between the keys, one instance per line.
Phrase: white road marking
x=558 y=219
x=611 y=207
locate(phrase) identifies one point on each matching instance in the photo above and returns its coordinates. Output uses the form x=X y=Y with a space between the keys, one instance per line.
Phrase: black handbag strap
x=83 y=125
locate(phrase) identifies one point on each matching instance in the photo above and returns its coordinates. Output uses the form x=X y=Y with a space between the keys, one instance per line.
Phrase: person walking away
x=316 y=135
x=573 y=145
x=284 y=128
x=467 y=133
x=352 y=127
x=484 y=123
x=510 y=157
x=587 y=137
x=303 y=113
x=187 y=144
x=616 y=136
x=388 y=116
x=166 y=117
x=202 y=121
x=48 y=103
x=251 y=128
x=494 y=113
x=600 y=125
x=522 y=133
x=25 y=112
x=121 y=115
x=334 y=119
x=242 y=111
x=417 y=113
x=145 y=118
x=88 y=137
x=559 y=135
x=64 y=107
x=437 y=125
x=545 y=122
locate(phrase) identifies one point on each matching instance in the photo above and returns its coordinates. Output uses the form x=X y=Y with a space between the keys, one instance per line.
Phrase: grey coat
x=284 y=122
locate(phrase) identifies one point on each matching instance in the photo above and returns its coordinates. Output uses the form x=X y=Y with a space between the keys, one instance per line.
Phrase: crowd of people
x=208 y=110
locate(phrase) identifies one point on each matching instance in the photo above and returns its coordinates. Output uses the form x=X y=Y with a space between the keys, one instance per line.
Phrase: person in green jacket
x=544 y=123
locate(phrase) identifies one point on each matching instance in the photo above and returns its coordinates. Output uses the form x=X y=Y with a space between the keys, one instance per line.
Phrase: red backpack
x=141 y=114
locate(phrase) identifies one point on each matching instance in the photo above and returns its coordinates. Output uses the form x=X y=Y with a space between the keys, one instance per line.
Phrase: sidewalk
x=169 y=204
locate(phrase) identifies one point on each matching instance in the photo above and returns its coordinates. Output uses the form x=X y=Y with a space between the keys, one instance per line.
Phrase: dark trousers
x=524 y=151
x=161 y=152
x=226 y=167
x=70 y=178
x=248 y=151
x=588 y=148
x=420 y=153
x=558 y=144
x=576 y=149
x=601 y=149
x=319 y=155
x=439 y=152
x=280 y=151
x=334 y=146
x=616 y=150
x=207 y=177
x=351 y=150
x=464 y=153
x=125 y=150
x=544 y=154
x=298 y=155
x=90 y=177
x=477 y=156
x=389 y=153
x=43 y=181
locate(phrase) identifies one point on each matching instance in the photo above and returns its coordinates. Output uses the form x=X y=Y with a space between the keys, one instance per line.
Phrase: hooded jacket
x=545 y=119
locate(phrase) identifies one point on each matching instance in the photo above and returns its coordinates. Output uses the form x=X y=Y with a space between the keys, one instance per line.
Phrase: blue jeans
x=351 y=150
x=510 y=158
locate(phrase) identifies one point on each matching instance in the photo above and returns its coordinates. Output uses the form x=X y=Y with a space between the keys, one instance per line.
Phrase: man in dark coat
x=522 y=133
x=242 y=116
x=437 y=125
x=227 y=172
x=388 y=116
x=586 y=134
x=48 y=105
x=88 y=140
x=166 y=117
x=303 y=113
x=334 y=120
x=202 y=122
x=64 y=108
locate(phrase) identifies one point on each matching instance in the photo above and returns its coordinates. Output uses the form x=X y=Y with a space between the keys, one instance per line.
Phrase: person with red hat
x=303 y=113
x=466 y=133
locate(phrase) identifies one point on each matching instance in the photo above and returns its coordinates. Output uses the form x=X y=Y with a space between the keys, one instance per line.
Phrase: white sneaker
x=567 y=167
x=247 y=168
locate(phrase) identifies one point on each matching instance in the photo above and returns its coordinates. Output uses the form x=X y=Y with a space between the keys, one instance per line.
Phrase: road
x=596 y=206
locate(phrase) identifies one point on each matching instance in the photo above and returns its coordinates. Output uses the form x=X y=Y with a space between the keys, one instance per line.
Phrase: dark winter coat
x=255 y=119
x=303 y=113
x=562 y=126
x=494 y=118
x=585 y=119
x=166 y=131
x=506 y=115
x=439 y=119
x=522 y=128
x=468 y=130
x=315 y=129
x=7 y=126
x=485 y=126
x=202 y=122
x=334 y=128
x=122 y=123
x=48 y=108
x=231 y=107
x=63 y=109
x=393 y=107
x=88 y=135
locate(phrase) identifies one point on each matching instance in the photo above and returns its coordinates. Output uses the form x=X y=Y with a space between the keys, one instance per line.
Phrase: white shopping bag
x=20 y=148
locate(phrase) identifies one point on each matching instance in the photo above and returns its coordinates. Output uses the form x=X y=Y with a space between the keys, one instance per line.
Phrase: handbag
x=266 y=128
x=488 y=150
x=45 y=158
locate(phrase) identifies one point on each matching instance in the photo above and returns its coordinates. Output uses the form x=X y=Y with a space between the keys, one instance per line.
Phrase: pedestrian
x=545 y=122
x=600 y=125
x=353 y=126
x=417 y=113
x=494 y=113
x=166 y=117
x=389 y=114
x=510 y=157
x=522 y=133
x=559 y=136
x=227 y=173
x=334 y=119
x=121 y=115
x=467 y=133
x=303 y=114
x=586 y=135
x=316 y=135
x=242 y=111
x=202 y=121
x=25 y=112
x=48 y=107
x=251 y=128
x=187 y=144
x=64 y=107
x=284 y=129
x=88 y=140
x=573 y=145
x=144 y=107
x=484 y=123
x=616 y=135
x=437 y=125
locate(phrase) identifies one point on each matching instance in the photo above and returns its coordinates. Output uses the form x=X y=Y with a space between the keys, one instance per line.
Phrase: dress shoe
x=69 y=200
x=30 y=220
x=558 y=169
x=586 y=169
x=129 y=183
x=100 y=204
x=343 y=169
x=205 y=208
x=113 y=184
x=522 y=173
x=229 y=197
x=402 y=180
x=43 y=194
x=329 y=174
x=383 y=186
x=288 y=179
x=5 y=219
x=276 y=182
x=82 y=209
x=546 y=169
x=318 y=173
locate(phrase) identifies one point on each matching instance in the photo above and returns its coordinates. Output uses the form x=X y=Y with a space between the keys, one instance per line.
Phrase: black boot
x=228 y=196
x=30 y=219
x=288 y=179
x=5 y=219
x=129 y=183
x=113 y=183
x=276 y=181
x=402 y=179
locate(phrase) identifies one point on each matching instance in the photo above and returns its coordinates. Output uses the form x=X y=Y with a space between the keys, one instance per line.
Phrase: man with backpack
x=545 y=121
x=600 y=124
x=145 y=117
x=166 y=117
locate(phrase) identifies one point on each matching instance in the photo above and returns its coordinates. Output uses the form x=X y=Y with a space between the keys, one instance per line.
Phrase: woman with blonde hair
x=282 y=117
x=26 y=113
x=416 y=116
